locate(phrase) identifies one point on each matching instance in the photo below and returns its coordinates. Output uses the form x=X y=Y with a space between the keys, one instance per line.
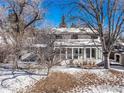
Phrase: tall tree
x=104 y=16
x=20 y=15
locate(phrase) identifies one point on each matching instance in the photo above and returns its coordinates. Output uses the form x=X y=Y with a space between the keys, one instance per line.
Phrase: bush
x=89 y=63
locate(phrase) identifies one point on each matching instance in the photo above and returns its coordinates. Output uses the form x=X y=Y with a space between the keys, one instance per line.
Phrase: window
x=75 y=53
x=58 y=36
x=117 y=58
x=81 y=53
x=88 y=52
x=63 y=53
x=99 y=54
x=117 y=47
x=69 y=52
x=74 y=36
x=93 y=53
x=94 y=37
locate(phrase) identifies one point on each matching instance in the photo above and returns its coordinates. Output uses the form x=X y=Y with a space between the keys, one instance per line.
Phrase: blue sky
x=54 y=12
x=56 y=9
x=54 y=15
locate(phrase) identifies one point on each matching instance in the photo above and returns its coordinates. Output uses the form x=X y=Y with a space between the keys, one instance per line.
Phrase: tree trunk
x=15 y=63
x=106 y=60
x=48 y=71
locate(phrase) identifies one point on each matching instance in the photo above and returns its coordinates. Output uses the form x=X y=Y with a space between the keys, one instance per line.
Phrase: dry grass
x=116 y=73
x=89 y=79
x=118 y=77
x=59 y=82
x=55 y=83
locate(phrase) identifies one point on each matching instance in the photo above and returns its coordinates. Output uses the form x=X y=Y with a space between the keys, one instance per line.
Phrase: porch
x=80 y=53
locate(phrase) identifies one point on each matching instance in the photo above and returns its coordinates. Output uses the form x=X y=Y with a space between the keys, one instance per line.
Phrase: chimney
x=63 y=24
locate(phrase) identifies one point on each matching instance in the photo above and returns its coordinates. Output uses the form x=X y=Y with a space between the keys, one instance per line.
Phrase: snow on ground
x=103 y=73
x=118 y=68
x=12 y=83
x=66 y=69
x=98 y=89
x=99 y=72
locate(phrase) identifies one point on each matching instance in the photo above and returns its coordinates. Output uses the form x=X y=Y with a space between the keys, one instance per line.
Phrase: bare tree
x=22 y=14
x=45 y=49
x=104 y=16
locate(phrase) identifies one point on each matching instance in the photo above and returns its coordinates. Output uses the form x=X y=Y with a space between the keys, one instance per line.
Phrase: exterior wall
x=121 y=58
x=84 y=37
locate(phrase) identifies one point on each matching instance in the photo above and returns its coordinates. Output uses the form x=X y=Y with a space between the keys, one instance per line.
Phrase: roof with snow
x=77 y=43
x=74 y=30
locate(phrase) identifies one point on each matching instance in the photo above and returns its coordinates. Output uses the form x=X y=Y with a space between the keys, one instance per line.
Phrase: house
x=77 y=43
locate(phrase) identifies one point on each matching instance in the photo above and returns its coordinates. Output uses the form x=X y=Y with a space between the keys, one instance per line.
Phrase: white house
x=78 y=44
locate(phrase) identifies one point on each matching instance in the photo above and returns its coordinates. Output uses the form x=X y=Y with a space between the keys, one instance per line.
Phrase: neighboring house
x=119 y=52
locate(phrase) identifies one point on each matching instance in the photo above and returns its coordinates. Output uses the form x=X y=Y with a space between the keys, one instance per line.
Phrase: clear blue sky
x=54 y=15
x=54 y=12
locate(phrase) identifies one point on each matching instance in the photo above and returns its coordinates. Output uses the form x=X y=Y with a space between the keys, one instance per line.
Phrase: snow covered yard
x=12 y=82
x=66 y=80
x=25 y=80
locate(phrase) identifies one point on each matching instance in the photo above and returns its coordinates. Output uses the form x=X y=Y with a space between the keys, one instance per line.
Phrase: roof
x=77 y=43
x=73 y=30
